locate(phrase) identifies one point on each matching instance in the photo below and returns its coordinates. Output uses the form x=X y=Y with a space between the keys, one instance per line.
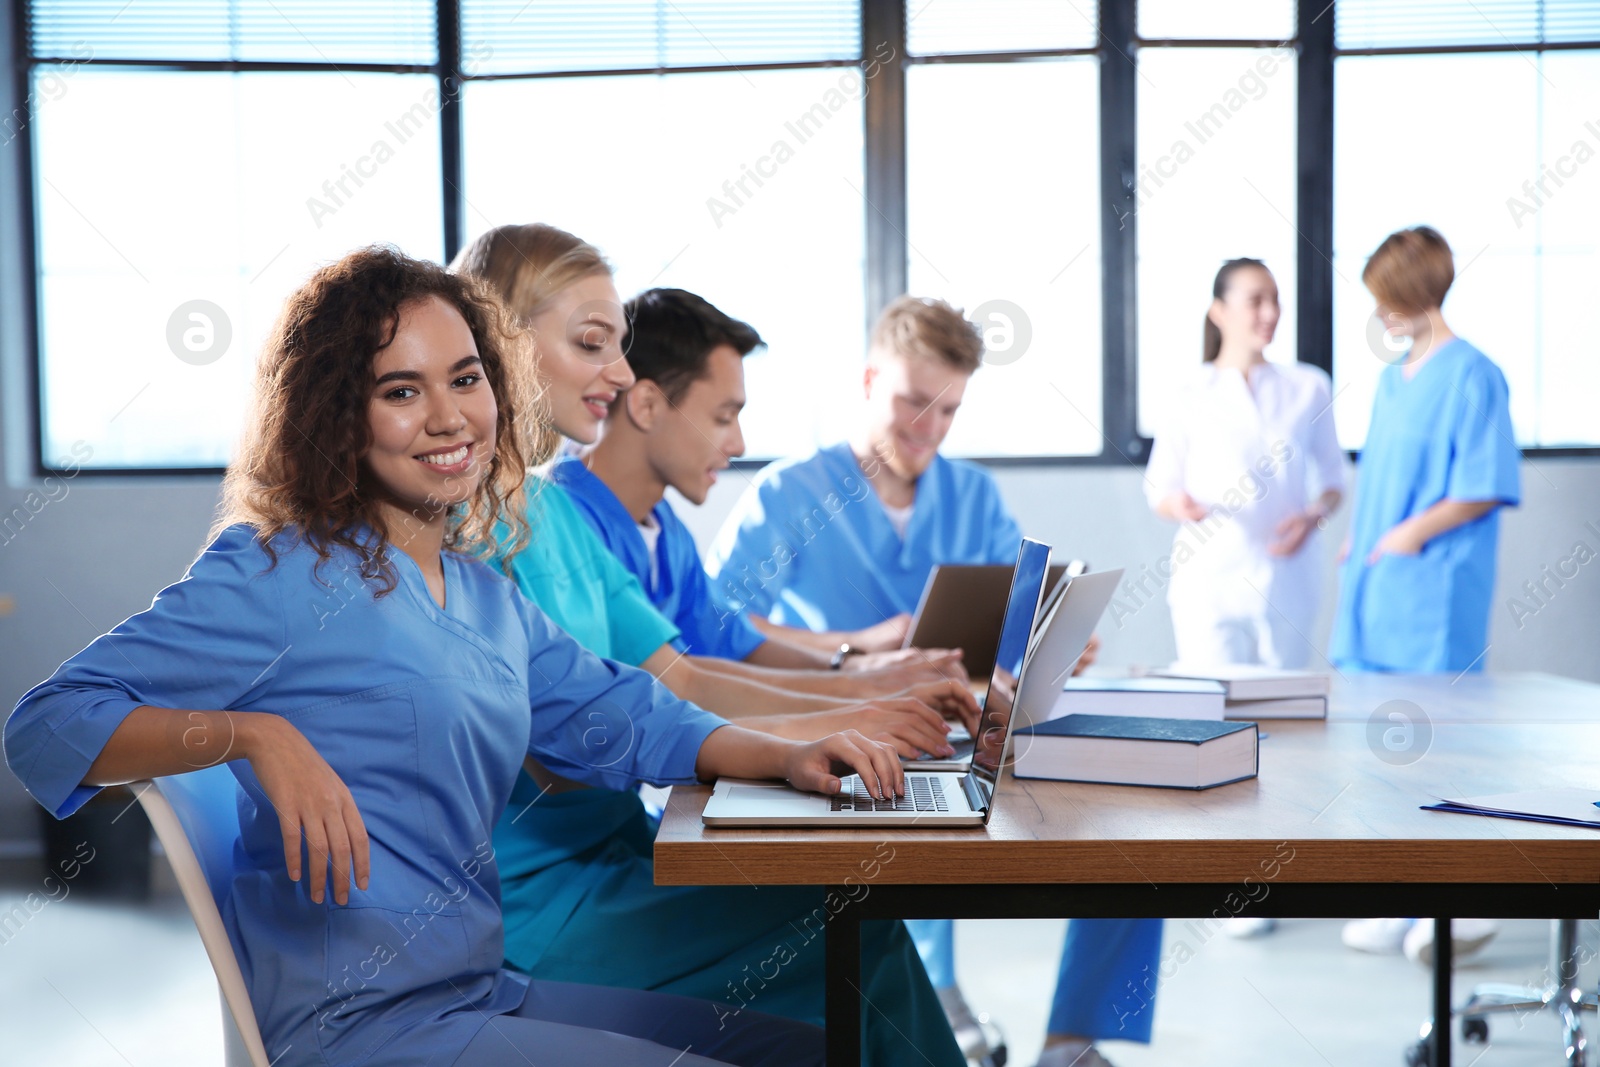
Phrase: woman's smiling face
x=431 y=411
x=580 y=336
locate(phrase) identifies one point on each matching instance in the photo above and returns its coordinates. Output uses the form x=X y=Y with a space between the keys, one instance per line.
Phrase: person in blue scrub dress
x=847 y=536
x=375 y=690
x=577 y=867
x=1440 y=461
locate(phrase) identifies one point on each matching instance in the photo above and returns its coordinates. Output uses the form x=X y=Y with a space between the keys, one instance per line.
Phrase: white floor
x=85 y=985
x=1296 y=997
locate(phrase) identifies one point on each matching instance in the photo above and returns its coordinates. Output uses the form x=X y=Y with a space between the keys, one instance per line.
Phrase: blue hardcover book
x=1129 y=750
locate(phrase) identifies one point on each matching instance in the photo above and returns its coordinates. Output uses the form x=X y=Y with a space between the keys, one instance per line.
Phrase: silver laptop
x=1066 y=619
x=938 y=798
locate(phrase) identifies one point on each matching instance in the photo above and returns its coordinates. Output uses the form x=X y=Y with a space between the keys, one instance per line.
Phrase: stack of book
x=1262 y=692
x=1162 y=698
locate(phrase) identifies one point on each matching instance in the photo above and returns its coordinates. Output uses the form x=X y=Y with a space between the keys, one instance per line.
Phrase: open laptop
x=962 y=606
x=1059 y=638
x=936 y=799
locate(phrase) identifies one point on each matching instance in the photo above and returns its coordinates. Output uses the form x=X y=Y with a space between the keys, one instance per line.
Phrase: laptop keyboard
x=924 y=792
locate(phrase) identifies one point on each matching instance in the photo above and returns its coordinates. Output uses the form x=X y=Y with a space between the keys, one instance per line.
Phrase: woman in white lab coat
x=1250 y=468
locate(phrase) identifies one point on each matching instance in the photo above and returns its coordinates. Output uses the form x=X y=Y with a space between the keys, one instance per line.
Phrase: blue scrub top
x=810 y=545
x=1445 y=433
x=679 y=588
x=425 y=713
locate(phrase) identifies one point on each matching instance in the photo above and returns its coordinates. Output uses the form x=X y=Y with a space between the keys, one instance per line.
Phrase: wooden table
x=1330 y=828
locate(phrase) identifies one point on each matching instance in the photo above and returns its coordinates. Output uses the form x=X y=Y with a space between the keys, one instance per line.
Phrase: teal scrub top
x=578 y=583
x=1444 y=434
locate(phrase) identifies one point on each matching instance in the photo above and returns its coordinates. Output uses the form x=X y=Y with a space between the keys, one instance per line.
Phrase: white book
x=1162 y=698
x=1252 y=682
x=1285 y=708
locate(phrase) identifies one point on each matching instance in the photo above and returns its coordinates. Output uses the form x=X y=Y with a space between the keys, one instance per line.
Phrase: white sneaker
x=1073 y=1054
x=1466 y=937
x=1247 y=926
x=1384 y=937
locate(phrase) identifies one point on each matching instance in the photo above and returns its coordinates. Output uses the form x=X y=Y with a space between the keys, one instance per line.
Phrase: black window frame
x=884 y=118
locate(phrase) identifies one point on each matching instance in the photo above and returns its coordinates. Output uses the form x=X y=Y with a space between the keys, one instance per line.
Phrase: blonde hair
x=928 y=328
x=1411 y=271
x=530 y=264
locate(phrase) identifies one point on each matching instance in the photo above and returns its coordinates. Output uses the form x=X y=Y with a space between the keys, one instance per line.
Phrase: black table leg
x=1443 y=965
x=843 y=993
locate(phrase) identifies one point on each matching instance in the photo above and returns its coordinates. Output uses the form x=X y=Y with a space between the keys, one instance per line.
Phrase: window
x=1509 y=176
x=1216 y=181
x=1003 y=219
x=176 y=211
x=1070 y=172
x=753 y=200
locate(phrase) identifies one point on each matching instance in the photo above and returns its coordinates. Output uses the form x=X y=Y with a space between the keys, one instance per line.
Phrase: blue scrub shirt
x=424 y=712
x=1444 y=434
x=679 y=588
x=810 y=545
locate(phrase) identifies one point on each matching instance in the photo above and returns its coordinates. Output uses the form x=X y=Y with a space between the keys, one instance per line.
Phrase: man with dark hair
x=678 y=426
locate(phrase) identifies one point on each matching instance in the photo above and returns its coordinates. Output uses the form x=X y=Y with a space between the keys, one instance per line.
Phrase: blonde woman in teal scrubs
x=577 y=875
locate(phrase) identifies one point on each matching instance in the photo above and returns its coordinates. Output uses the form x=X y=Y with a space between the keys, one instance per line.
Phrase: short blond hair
x=1411 y=271
x=928 y=328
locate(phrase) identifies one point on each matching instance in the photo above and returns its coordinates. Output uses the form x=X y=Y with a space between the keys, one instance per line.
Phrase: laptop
x=962 y=606
x=933 y=799
x=1059 y=638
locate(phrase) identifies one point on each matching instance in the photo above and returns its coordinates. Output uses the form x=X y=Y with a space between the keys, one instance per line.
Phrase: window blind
x=953 y=27
x=398 y=32
x=539 y=36
x=1423 y=23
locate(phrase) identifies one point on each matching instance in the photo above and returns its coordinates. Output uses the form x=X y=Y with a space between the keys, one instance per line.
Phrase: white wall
x=98 y=552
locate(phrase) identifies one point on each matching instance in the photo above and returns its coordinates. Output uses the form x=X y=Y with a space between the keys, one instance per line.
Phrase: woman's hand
x=1181 y=507
x=311 y=800
x=911 y=666
x=1292 y=532
x=817 y=767
x=908 y=724
x=1402 y=539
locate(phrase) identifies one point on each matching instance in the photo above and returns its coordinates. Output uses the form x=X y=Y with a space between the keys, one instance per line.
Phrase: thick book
x=1285 y=708
x=1134 y=750
x=1250 y=682
x=1156 y=698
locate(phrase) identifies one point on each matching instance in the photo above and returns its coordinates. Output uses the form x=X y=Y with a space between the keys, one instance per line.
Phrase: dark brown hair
x=923 y=326
x=301 y=460
x=672 y=333
x=1212 y=345
x=1411 y=271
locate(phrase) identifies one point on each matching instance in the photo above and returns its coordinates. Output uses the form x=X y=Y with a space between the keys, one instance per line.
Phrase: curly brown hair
x=301 y=464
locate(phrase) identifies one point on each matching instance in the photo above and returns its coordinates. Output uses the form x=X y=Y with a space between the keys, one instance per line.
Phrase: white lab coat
x=1254 y=454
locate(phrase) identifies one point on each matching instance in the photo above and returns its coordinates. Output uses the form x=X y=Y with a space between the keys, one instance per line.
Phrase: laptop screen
x=1027 y=587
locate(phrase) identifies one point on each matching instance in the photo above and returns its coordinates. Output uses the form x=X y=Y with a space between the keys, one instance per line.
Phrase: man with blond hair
x=844 y=539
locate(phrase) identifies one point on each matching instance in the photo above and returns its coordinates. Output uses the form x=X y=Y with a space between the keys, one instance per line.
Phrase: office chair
x=1560 y=995
x=196 y=818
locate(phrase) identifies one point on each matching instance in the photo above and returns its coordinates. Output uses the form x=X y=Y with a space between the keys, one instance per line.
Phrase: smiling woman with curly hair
x=374 y=692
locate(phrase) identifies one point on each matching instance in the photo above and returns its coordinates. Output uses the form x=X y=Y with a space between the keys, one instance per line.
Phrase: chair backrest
x=196 y=818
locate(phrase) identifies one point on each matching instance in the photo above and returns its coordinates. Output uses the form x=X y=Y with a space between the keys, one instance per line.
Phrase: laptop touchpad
x=767 y=796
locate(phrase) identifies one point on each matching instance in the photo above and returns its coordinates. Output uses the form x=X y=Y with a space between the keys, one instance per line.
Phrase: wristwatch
x=839 y=657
